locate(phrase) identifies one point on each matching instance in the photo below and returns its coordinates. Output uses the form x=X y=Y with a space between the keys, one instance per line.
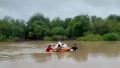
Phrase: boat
x=63 y=47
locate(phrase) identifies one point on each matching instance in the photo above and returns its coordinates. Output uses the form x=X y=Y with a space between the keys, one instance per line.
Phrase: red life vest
x=48 y=49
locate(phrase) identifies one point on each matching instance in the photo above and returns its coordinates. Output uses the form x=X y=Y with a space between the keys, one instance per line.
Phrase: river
x=31 y=54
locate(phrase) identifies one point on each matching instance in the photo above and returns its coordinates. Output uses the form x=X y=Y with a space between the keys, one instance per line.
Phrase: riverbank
x=89 y=37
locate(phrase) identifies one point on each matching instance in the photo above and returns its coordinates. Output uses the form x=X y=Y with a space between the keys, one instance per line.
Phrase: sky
x=23 y=9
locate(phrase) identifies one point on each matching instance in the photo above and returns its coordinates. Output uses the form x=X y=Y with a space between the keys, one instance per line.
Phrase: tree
x=66 y=22
x=99 y=27
x=11 y=28
x=58 y=31
x=18 y=28
x=37 y=26
x=57 y=22
x=78 y=26
x=114 y=17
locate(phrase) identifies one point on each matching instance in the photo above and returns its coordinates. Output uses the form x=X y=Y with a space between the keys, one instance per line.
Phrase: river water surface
x=30 y=54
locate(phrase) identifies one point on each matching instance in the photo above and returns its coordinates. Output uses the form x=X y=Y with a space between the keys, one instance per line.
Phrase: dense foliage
x=81 y=27
x=90 y=37
x=111 y=36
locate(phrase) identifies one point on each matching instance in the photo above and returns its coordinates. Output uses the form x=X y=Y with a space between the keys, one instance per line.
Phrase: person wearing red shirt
x=49 y=48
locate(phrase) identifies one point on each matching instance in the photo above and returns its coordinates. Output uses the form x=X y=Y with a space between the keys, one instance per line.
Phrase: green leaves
x=90 y=37
x=79 y=25
x=10 y=28
x=83 y=27
x=58 y=31
x=111 y=37
x=38 y=26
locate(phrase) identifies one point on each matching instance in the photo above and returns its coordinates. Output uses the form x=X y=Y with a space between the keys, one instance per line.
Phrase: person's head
x=49 y=46
x=58 y=45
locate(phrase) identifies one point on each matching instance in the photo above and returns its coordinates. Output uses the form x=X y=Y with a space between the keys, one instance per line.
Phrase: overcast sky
x=23 y=9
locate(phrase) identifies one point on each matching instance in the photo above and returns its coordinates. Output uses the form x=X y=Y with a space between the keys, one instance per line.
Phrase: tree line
x=81 y=27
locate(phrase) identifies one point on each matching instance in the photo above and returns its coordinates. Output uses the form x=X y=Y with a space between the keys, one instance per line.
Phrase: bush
x=90 y=37
x=17 y=39
x=55 y=38
x=2 y=38
x=58 y=31
x=59 y=37
x=111 y=37
x=47 y=38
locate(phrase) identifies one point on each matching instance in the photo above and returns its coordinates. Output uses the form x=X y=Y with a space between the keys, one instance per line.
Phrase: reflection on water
x=34 y=50
x=11 y=57
x=44 y=57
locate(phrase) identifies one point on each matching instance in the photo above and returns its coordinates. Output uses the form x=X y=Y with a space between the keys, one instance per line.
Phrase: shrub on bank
x=17 y=39
x=47 y=38
x=55 y=38
x=90 y=37
x=2 y=38
x=111 y=37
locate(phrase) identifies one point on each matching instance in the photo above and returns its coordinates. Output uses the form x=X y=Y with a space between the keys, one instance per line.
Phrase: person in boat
x=49 y=48
x=59 y=43
x=58 y=48
x=61 y=47
x=65 y=47
x=74 y=48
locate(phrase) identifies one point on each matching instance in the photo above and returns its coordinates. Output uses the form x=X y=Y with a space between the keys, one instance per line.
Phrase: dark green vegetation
x=81 y=27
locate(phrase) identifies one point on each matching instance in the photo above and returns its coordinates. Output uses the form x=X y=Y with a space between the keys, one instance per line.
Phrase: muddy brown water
x=30 y=54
